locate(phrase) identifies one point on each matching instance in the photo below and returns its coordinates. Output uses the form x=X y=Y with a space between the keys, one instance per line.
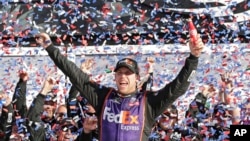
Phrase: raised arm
x=167 y=95
x=36 y=108
x=89 y=126
x=35 y=126
x=226 y=96
x=6 y=115
x=147 y=81
x=19 y=96
x=78 y=78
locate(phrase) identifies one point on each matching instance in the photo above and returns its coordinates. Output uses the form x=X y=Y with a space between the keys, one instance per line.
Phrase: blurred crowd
x=45 y=119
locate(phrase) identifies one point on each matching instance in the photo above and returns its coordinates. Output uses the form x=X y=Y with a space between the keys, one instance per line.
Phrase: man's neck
x=126 y=95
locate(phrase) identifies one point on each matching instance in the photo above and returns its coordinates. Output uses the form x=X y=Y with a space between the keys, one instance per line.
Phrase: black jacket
x=6 y=122
x=19 y=99
x=73 y=101
x=35 y=125
x=17 y=108
x=155 y=103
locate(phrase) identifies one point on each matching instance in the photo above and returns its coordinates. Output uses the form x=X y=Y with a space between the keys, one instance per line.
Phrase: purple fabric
x=122 y=118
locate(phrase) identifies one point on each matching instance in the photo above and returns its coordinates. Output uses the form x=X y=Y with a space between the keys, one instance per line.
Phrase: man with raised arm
x=125 y=114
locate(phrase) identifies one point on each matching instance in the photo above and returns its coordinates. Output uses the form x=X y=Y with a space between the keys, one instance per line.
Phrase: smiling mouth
x=123 y=83
x=67 y=137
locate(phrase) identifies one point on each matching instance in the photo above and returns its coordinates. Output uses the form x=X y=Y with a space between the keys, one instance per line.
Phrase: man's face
x=67 y=133
x=4 y=97
x=246 y=110
x=48 y=111
x=66 y=136
x=61 y=113
x=167 y=122
x=125 y=80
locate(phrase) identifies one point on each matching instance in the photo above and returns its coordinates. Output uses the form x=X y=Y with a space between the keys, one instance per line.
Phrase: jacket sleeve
x=78 y=78
x=36 y=109
x=163 y=98
x=6 y=122
x=19 y=98
x=72 y=102
x=73 y=92
x=35 y=125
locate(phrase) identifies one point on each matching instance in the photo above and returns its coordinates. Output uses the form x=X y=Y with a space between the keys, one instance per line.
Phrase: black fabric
x=6 y=122
x=129 y=63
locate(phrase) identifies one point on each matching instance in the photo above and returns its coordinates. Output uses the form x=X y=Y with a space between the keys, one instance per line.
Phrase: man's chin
x=47 y=119
x=68 y=137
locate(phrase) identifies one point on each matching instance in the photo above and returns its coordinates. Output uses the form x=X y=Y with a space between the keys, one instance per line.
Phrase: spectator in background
x=36 y=126
x=90 y=130
x=67 y=131
x=90 y=125
x=212 y=122
x=19 y=127
x=19 y=96
x=146 y=82
x=196 y=108
x=245 y=113
x=50 y=123
x=87 y=66
x=226 y=112
x=227 y=97
x=60 y=113
x=6 y=115
x=78 y=105
x=90 y=122
x=49 y=107
x=143 y=108
x=226 y=107
x=74 y=99
x=165 y=124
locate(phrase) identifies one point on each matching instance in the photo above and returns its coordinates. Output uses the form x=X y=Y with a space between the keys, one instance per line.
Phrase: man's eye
x=119 y=73
x=125 y=73
x=128 y=73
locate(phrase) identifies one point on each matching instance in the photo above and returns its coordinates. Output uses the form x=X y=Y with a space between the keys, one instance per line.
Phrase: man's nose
x=69 y=132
